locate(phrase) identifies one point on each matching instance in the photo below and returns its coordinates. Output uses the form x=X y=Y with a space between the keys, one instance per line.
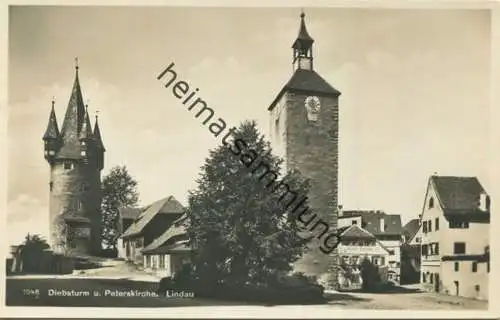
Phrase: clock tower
x=304 y=121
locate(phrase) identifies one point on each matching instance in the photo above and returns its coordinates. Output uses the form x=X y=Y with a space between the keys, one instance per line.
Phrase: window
x=459 y=224
x=424 y=227
x=68 y=165
x=354 y=221
x=436 y=224
x=477 y=287
x=431 y=203
x=429 y=226
x=474 y=266
x=436 y=248
x=488 y=267
x=424 y=279
x=457 y=266
x=51 y=185
x=459 y=248
x=431 y=278
x=382 y=261
x=162 y=261
x=424 y=249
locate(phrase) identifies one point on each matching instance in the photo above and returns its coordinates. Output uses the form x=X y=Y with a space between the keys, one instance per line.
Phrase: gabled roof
x=355 y=232
x=410 y=229
x=177 y=228
x=130 y=213
x=306 y=81
x=458 y=195
x=179 y=247
x=371 y=221
x=168 y=205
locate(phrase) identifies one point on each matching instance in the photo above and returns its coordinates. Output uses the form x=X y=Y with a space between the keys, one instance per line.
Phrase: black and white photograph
x=271 y=158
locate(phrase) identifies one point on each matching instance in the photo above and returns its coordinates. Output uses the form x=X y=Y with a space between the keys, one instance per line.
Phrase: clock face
x=312 y=105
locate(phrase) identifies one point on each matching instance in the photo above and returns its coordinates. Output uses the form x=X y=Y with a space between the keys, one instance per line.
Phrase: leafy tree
x=239 y=226
x=119 y=190
x=370 y=274
x=31 y=252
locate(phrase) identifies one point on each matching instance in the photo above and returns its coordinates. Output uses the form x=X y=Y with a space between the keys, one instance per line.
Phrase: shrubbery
x=291 y=289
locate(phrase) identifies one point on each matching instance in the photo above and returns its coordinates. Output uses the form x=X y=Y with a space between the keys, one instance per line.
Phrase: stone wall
x=76 y=191
x=312 y=148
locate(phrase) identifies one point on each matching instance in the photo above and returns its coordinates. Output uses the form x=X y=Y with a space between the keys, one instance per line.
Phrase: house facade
x=126 y=217
x=151 y=223
x=387 y=230
x=455 y=237
x=356 y=245
x=170 y=251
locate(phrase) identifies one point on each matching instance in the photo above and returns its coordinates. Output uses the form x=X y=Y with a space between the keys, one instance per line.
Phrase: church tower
x=75 y=155
x=304 y=121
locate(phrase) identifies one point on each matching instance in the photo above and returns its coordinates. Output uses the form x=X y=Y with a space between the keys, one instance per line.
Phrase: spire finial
x=96 y=115
x=87 y=105
x=302 y=14
x=76 y=64
x=53 y=101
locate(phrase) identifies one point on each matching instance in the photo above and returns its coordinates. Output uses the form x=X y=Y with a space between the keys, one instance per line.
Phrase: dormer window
x=83 y=143
x=83 y=153
x=51 y=152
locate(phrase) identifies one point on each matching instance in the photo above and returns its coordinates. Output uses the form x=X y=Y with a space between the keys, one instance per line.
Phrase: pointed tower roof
x=73 y=122
x=86 y=132
x=52 y=131
x=75 y=112
x=97 y=135
x=304 y=40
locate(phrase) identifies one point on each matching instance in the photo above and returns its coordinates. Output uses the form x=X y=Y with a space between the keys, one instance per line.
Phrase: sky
x=414 y=83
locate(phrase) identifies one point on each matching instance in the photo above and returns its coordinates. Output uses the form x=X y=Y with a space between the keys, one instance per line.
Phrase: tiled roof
x=72 y=124
x=52 y=131
x=173 y=248
x=411 y=228
x=86 y=131
x=458 y=195
x=306 y=81
x=168 y=205
x=176 y=229
x=130 y=213
x=97 y=135
x=355 y=232
x=371 y=221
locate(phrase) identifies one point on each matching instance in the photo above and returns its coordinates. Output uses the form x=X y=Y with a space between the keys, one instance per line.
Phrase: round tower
x=75 y=155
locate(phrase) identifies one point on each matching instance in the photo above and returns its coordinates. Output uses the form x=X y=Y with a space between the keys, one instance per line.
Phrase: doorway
x=456 y=288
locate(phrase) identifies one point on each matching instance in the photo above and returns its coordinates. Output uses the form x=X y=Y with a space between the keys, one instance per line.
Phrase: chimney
x=382 y=225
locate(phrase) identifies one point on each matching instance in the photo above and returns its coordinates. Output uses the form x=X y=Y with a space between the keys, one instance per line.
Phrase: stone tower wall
x=312 y=148
x=81 y=183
